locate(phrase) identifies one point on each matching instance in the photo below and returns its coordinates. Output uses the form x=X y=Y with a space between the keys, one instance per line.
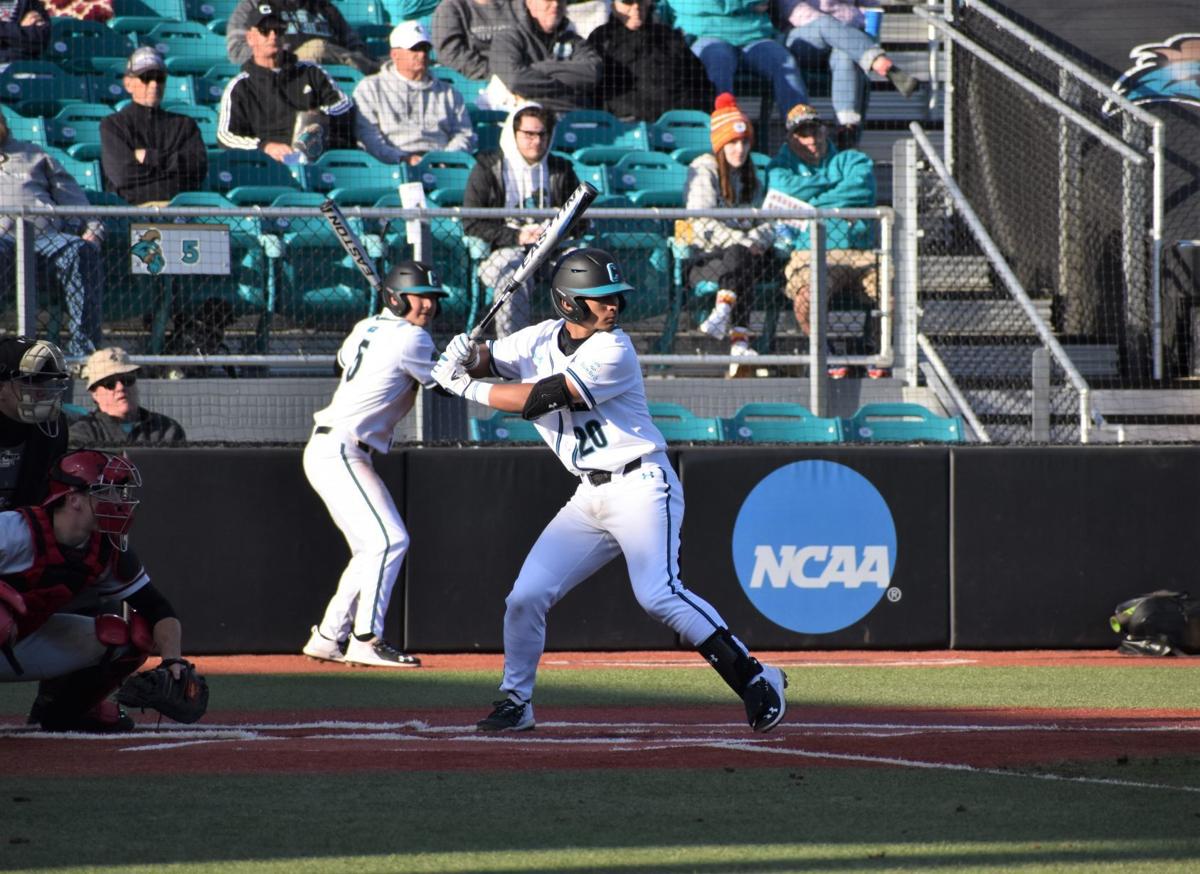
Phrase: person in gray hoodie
x=30 y=177
x=520 y=175
x=403 y=112
x=463 y=31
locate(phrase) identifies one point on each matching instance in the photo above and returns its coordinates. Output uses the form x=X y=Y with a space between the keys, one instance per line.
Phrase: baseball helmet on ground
x=38 y=372
x=585 y=273
x=410 y=277
x=111 y=479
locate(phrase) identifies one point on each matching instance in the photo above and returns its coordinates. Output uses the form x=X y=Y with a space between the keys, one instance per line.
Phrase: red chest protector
x=54 y=579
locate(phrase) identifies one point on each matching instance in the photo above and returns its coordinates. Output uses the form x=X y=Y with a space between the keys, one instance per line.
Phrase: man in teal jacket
x=809 y=168
x=728 y=34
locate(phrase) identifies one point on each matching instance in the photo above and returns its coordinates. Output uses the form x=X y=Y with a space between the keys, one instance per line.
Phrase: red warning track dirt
x=582 y=738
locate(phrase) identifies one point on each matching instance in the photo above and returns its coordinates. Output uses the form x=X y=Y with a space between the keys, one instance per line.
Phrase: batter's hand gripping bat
x=581 y=198
x=353 y=246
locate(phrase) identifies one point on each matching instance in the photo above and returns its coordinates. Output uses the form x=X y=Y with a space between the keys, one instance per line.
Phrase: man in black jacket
x=314 y=30
x=24 y=30
x=276 y=98
x=521 y=174
x=149 y=154
x=542 y=58
x=648 y=67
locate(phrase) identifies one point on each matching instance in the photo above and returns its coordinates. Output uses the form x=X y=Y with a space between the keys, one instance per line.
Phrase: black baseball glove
x=184 y=700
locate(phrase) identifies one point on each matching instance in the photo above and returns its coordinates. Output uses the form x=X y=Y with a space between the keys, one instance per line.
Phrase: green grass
x=1144 y=686
x=792 y=817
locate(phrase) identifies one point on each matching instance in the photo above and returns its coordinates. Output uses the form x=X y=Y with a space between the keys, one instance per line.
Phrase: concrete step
x=1014 y=360
x=944 y=273
x=947 y=318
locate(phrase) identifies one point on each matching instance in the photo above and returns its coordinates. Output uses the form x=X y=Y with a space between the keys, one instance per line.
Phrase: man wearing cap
x=118 y=419
x=149 y=154
x=314 y=30
x=810 y=168
x=69 y=246
x=33 y=429
x=277 y=98
x=403 y=112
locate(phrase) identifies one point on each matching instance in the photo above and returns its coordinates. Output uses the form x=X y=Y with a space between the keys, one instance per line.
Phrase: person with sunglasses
x=312 y=30
x=290 y=109
x=148 y=153
x=119 y=419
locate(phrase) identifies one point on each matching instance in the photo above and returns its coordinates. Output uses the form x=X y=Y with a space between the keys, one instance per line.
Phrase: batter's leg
x=571 y=548
x=362 y=508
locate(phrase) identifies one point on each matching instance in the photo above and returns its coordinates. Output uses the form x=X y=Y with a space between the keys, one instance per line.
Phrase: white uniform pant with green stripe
x=363 y=509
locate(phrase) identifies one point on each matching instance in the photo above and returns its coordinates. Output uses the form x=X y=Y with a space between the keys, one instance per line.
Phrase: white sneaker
x=716 y=325
x=764 y=699
x=740 y=348
x=377 y=652
x=324 y=649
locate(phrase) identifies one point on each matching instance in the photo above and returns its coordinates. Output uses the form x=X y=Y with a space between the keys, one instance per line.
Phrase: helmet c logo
x=614 y=274
x=433 y=278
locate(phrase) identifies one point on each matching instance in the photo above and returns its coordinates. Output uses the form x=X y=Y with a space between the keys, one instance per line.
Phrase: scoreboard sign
x=169 y=248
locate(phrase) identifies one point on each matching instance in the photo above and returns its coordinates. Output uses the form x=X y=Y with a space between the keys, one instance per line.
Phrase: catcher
x=67 y=556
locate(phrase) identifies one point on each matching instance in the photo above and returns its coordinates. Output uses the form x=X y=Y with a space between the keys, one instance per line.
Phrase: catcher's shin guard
x=76 y=701
x=730 y=659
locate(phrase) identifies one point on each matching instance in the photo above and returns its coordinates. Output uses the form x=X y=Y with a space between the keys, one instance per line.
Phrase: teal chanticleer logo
x=814 y=546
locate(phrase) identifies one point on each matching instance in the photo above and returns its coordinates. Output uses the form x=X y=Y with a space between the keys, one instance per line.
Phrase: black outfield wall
x=800 y=547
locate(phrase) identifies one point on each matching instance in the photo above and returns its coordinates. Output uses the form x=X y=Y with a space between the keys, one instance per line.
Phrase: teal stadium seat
x=41 y=87
x=679 y=129
x=353 y=175
x=677 y=423
x=188 y=47
x=85 y=46
x=502 y=427
x=86 y=173
x=31 y=129
x=781 y=423
x=470 y=89
x=643 y=170
x=642 y=249
x=205 y=118
x=210 y=10
x=246 y=176
x=359 y=12
x=345 y=77
x=580 y=128
x=443 y=170
x=904 y=423
x=76 y=129
x=142 y=16
x=487 y=124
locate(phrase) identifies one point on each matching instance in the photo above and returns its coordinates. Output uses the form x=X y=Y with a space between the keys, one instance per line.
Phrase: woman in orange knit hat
x=734 y=253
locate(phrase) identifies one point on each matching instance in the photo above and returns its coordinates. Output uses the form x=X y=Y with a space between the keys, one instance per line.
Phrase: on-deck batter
x=578 y=379
x=383 y=360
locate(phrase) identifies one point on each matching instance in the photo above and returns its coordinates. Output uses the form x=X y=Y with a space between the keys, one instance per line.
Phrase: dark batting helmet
x=585 y=273
x=410 y=277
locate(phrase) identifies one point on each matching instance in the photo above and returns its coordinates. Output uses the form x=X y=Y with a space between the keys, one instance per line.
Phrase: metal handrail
x=993 y=253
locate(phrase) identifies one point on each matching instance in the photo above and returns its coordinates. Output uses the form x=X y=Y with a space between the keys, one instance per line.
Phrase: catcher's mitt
x=184 y=700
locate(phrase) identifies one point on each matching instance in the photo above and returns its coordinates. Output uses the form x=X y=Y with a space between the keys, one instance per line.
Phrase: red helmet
x=110 y=478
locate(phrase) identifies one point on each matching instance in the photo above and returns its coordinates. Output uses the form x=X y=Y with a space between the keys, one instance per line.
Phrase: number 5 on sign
x=156 y=249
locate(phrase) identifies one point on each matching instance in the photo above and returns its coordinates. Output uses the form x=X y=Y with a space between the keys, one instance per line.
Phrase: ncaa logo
x=814 y=545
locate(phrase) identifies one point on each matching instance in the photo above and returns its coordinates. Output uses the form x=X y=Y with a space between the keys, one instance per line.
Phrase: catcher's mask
x=38 y=374
x=585 y=273
x=111 y=480
x=411 y=277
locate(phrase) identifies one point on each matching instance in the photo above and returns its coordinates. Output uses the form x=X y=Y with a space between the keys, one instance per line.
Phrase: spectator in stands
x=737 y=34
x=313 y=30
x=729 y=250
x=833 y=29
x=149 y=154
x=24 y=30
x=118 y=419
x=30 y=177
x=463 y=32
x=84 y=10
x=648 y=67
x=403 y=112
x=521 y=174
x=279 y=104
x=807 y=167
x=542 y=58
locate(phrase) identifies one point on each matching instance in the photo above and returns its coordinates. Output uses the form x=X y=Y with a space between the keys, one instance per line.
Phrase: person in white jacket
x=403 y=112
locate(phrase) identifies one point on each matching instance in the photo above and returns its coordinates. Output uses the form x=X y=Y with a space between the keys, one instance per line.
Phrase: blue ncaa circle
x=814 y=546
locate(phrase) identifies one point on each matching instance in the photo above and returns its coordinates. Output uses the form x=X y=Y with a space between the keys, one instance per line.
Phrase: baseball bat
x=569 y=213
x=353 y=246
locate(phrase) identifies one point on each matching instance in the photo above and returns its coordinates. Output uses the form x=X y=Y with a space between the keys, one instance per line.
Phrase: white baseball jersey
x=383 y=359
x=616 y=427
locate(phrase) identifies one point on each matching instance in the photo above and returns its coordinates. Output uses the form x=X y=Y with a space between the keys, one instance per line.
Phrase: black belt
x=600 y=477
x=325 y=429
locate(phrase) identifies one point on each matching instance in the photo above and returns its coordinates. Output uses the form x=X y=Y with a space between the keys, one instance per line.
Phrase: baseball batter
x=383 y=360
x=578 y=379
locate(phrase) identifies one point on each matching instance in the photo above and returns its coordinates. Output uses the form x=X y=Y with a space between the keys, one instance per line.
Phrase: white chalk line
x=779 y=663
x=944 y=766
